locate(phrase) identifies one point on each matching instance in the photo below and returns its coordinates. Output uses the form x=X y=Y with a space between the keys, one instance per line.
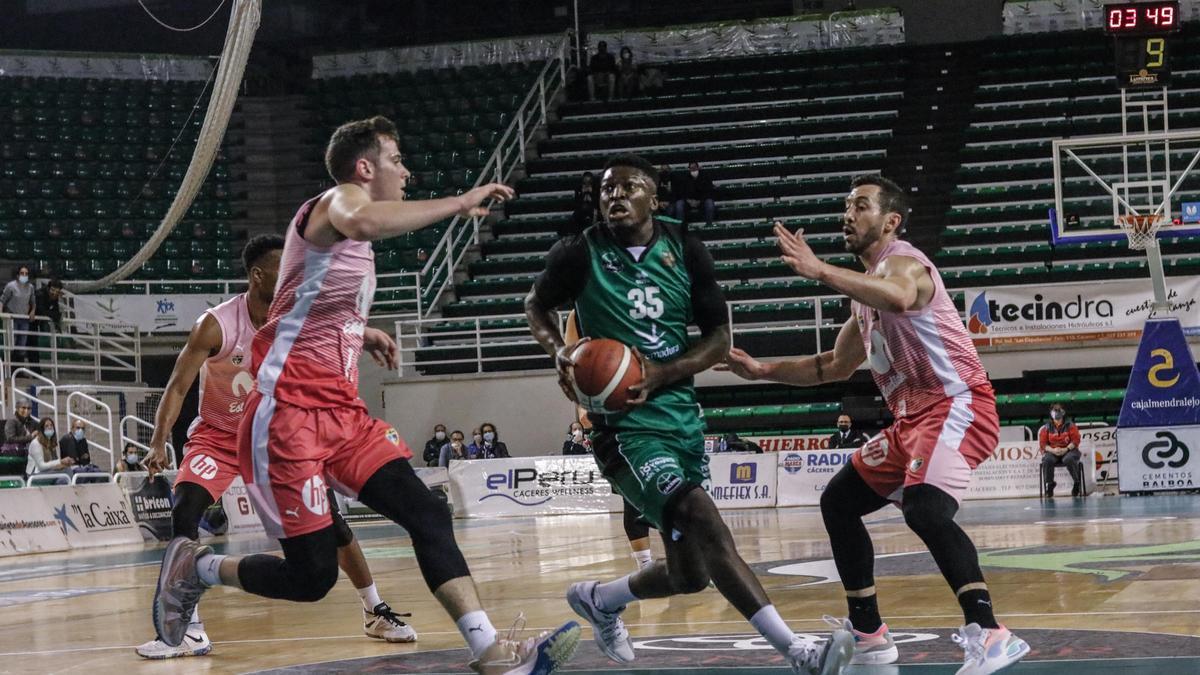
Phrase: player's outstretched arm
x=202 y=342
x=834 y=365
x=902 y=284
x=355 y=216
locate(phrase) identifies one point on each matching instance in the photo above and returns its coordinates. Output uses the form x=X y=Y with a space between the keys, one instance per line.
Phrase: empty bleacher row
x=88 y=171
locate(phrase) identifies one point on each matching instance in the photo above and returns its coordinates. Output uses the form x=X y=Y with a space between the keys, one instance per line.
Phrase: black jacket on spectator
x=849 y=440
x=602 y=63
x=699 y=188
x=497 y=450
x=78 y=450
x=433 y=450
x=570 y=447
x=48 y=307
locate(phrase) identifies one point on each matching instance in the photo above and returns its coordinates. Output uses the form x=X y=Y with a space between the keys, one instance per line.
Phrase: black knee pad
x=927 y=508
x=191 y=501
x=311 y=564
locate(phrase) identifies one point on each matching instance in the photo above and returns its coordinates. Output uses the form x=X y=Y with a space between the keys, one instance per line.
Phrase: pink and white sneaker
x=870 y=649
x=988 y=650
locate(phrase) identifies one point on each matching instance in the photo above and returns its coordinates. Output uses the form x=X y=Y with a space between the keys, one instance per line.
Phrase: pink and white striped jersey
x=918 y=358
x=306 y=354
x=225 y=377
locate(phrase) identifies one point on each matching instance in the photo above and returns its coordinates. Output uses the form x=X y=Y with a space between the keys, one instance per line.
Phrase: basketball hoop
x=1141 y=230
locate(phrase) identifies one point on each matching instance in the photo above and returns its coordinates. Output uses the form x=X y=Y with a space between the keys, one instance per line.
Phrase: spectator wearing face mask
x=130 y=460
x=475 y=447
x=433 y=446
x=75 y=445
x=19 y=430
x=847 y=437
x=1059 y=443
x=492 y=446
x=17 y=299
x=43 y=455
x=576 y=443
x=455 y=448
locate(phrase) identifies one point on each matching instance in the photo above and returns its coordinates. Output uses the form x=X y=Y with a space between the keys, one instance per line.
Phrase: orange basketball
x=603 y=371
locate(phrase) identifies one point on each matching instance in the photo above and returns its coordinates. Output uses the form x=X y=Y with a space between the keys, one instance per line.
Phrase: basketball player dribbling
x=642 y=283
x=905 y=326
x=305 y=423
x=218 y=351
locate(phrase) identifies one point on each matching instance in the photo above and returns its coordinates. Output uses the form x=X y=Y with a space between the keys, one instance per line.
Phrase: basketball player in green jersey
x=642 y=283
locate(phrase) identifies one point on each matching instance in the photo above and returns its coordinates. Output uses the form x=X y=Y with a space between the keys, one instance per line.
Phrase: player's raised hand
x=473 y=199
x=156 y=460
x=564 y=363
x=652 y=380
x=742 y=364
x=797 y=254
x=381 y=347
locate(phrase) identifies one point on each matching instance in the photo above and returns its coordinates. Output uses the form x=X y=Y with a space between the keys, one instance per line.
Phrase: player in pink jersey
x=905 y=326
x=218 y=349
x=305 y=424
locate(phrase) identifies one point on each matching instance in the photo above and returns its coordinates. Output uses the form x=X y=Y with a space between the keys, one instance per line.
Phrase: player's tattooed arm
x=204 y=341
x=834 y=365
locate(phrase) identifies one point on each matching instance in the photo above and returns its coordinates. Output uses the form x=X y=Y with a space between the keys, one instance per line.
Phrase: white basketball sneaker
x=607 y=628
x=195 y=643
x=870 y=649
x=540 y=655
x=384 y=624
x=987 y=650
x=831 y=658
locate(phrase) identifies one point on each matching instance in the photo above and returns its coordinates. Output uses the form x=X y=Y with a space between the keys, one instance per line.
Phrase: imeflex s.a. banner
x=1064 y=313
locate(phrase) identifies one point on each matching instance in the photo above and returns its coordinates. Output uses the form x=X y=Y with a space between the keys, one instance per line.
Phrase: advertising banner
x=1073 y=313
x=523 y=49
x=239 y=510
x=151 y=500
x=530 y=486
x=28 y=524
x=167 y=313
x=1163 y=383
x=1014 y=470
x=1101 y=443
x=97 y=514
x=742 y=480
x=802 y=476
x=1155 y=459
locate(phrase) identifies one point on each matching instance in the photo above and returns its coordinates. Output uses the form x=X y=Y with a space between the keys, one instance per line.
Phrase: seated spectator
x=627 y=75
x=433 y=446
x=1059 y=443
x=43 y=451
x=576 y=443
x=76 y=445
x=45 y=301
x=587 y=206
x=651 y=80
x=454 y=449
x=475 y=449
x=847 y=437
x=131 y=460
x=666 y=192
x=603 y=67
x=695 y=191
x=19 y=430
x=492 y=446
x=17 y=299
x=731 y=443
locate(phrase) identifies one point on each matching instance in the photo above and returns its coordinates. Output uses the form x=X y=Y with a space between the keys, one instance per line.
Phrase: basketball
x=603 y=371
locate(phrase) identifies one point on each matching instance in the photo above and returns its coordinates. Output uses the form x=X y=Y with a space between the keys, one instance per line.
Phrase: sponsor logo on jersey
x=874 y=452
x=669 y=483
x=668 y=259
x=203 y=466
x=393 y=436
x=611 y=262
x=316 y=500
x=916 y=464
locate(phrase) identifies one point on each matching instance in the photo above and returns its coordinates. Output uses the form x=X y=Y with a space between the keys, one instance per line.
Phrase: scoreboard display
x=1142 y=36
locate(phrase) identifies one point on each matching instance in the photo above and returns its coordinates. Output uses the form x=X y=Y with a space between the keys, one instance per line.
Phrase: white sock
x=370 y=597
x=477 y=630
x=643 y=558
x=208 y=567
x=614 y=594
x=771 y=626
x=196 y=617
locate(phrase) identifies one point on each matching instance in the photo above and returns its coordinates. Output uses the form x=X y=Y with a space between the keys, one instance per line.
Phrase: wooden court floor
x=1102 y=585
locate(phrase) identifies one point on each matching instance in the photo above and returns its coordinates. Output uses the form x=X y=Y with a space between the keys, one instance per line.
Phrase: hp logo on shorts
x=203 y=466
x=315 y=498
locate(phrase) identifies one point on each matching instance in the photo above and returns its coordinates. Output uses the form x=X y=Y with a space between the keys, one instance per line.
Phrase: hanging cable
x=181 y=30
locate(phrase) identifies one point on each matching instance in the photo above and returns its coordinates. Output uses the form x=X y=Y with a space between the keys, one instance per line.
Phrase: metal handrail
x=106 y=477
x=139 y=422
x=41 y=477
x=110 y=346
x=33 y=399
x=106 y=428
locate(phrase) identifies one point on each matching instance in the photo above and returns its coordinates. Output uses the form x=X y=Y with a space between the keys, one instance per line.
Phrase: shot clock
x=1142 y=36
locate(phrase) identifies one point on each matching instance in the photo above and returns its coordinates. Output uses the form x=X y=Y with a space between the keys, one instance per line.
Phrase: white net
x=1142 y=231
x=243 y=24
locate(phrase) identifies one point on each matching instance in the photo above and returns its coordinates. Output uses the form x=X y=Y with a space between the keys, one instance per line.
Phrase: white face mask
x=48 y=433
x=78 y=434
x=577 y=434
x=132 y=458
x=440 y=435
x=24 y=278
x=695 y=173
x=489 y=436
x=1056 y=414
